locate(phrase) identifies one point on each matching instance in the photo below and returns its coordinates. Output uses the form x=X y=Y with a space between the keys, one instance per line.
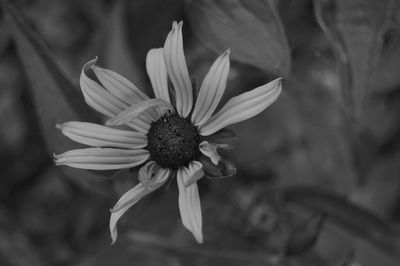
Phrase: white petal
x=96 y=96
x=139 y=109
x=189 y=205
x=151 y=174
x=102 y=158
x=243 y=106
x=119 y=86
x=177 y=69
x=210 y=150
x=127 y=200
x=211 y=90
x=157 y=71
x=101 y=136
x=195 y=172
x=131 y=197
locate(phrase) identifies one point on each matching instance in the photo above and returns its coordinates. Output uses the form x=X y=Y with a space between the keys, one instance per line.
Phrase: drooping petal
x=189 y=205
x=155 y=180
x=97 y=97
x=243 y=106
x=151 y=174
x=102 y=158
x=177 y=70
x=157 y=71
x=211 y=90
x=101 y=136
x=139 y=109
x=119 y=86
x=127 y=200
x=210 y=150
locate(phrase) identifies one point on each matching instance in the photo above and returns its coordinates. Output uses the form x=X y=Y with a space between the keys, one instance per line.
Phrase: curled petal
x=210 y=150
x=102 y=158
x=96 y=96
x=243 y=106
x=138 y=109
x=151 y=174
x=157 y=71
x=119 y=86
x=131 y=197
x=127 y=200
x=211 y=90
x=194 y=171
x=177 y=70
x=103 y=101
x=101 y=136
x=189 y=205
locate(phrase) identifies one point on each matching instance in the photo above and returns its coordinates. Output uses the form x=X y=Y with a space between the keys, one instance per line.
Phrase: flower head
x=167 y=135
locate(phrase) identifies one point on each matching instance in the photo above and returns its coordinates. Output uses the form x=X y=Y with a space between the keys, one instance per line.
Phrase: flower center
x=173 y=142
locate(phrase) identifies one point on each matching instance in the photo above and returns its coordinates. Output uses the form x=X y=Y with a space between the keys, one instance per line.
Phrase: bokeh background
x=319 y=171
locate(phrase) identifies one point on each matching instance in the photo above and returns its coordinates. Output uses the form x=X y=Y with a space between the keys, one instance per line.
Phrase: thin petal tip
x=199 y=239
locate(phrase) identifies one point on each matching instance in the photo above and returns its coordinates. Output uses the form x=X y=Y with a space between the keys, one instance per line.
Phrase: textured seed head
x=173 y=142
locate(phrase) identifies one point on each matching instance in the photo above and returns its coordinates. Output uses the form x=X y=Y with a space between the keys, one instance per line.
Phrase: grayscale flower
x=170 y=135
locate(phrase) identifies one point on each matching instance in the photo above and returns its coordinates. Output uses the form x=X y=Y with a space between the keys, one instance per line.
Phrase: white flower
x=167 y=135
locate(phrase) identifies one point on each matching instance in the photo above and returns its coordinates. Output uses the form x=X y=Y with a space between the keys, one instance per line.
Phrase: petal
x=106 y=103
x=96 y=96
x=177 y=69
x=189 y=205
x=151 y=175
x=195 y=171
x=127 y=200
x=157 y=71
x=139 y=109
x=210 y=150
x=243 y=106
x=119 y=86
x=102 y=158
x=224 y=135
x=211 y=90
x=101 y=136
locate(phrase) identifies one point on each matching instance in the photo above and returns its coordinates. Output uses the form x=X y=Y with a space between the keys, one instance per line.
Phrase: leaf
x=355 y=29
x=304 y=236
x=354 y=219
x=55 y=98
x=386 y=77
x=251 y=29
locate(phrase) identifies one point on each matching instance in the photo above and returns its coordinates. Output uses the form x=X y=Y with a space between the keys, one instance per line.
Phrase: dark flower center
x=173 y=142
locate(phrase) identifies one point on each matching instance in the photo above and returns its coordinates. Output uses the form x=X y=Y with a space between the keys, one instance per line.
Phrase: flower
x=166 y=134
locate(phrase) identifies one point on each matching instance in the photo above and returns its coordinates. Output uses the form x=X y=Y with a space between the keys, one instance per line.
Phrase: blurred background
x=318 y=172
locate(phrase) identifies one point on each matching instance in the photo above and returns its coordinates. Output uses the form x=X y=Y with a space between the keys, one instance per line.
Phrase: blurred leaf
x=54 y=96
x=355 y=29
x=356 y=220
x=252 y=29
x=56 y=99
x=304 y=236
x=386 y=78
x=143 y=240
